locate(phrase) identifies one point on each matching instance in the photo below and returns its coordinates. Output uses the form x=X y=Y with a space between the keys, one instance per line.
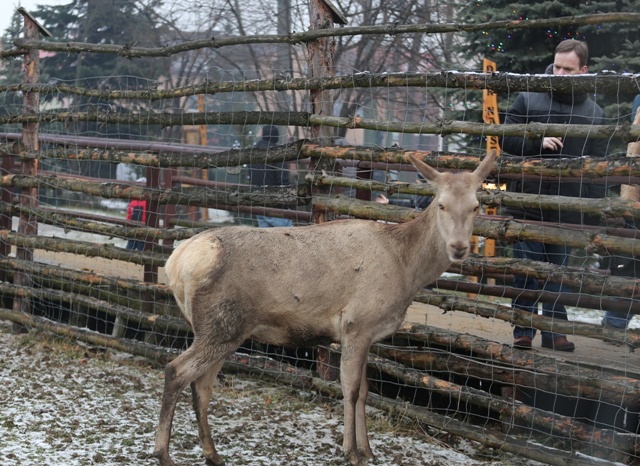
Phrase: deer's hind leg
x=186 y=368
x=218 y=333
x=201 y=390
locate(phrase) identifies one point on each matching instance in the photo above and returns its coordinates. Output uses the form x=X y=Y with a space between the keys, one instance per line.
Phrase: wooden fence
x=64 y=267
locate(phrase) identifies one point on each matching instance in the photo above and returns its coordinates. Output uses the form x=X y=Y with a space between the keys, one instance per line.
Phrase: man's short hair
x=579 y=47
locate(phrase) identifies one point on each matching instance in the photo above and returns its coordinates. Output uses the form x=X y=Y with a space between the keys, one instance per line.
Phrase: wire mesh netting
x=103 y=177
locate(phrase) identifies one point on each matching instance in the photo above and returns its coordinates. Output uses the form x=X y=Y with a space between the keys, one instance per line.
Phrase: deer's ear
x=431 y=174
x=486 y=166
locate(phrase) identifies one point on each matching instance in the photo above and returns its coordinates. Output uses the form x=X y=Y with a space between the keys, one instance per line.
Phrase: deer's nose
x=459 y=251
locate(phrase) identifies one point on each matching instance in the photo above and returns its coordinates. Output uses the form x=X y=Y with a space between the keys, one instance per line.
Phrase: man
x=551 y=107
x=274 y=174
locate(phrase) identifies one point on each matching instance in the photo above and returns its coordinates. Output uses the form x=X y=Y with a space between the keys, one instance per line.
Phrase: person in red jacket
x=137 y=212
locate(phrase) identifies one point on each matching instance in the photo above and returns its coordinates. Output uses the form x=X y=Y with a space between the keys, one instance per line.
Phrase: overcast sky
x=29 y=5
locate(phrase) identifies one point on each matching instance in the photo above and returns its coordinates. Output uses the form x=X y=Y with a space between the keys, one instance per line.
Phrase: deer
x=348 y=281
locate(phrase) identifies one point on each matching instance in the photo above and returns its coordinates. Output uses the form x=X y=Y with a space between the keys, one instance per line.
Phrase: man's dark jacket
x=543 y=107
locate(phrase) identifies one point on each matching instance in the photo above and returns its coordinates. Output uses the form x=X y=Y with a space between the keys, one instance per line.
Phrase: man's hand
x=553 y=144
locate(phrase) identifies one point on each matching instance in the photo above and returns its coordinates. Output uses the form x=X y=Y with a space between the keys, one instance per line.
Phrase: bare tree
x=186 y=20
x=183 y=20
x=393 y=53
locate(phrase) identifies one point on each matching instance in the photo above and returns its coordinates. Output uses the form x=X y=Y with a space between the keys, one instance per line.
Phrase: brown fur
x=348 y=281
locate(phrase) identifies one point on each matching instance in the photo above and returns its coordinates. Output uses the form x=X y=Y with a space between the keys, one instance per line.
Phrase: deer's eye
x=441 y=207
x=476 y=208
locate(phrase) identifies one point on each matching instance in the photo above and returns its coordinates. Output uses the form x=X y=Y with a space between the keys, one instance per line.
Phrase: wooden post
x=153 y=221
x=6 y=220
x=489 y=116
x=204 y=212
x=151 y=271
x=6 y=197
x=323 y=16
x=321 y=51
x=28 y=197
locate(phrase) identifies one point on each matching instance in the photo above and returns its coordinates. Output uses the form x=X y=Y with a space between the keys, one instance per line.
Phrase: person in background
x=551 y=107
x=272 y=174
x=137 y=212
x=615 y=319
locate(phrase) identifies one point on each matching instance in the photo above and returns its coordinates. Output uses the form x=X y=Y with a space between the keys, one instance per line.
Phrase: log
x=597 y=207
x=214 y=158
x=104 y=227
x=526 y=319
x=28 y=195
x=142 y=318
x=584 y=168
x=107 y=251
x=592 y=242
x=124 y=292
x=240 y=194
x=160 y=355
x=522 y=368
x=129 y=51
x=510 y=413
x=443 y=127
x=321 y=53
x=89 y=279
x=589 y=168
x=581 y=299
x=162 y=119
x=497 y=82
x=504 y=229
x=632 y=191
x=574 y=277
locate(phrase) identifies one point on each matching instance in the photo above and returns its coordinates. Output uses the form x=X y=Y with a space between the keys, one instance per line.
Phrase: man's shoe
x=523 y=342
x=558 y=344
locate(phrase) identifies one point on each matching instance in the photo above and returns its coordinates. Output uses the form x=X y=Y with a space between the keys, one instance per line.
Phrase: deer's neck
x=424 y=249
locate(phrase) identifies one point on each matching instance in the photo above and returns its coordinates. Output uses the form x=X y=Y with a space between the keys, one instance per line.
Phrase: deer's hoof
x=164 y=458
x=367 y=454
x=215 y=460
x=356 y=459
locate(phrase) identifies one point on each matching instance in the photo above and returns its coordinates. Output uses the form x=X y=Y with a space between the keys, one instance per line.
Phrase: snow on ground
x=64 y=404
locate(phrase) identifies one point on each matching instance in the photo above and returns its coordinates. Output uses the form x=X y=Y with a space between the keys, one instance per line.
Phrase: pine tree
x=613 y=47
x=119 y=22
x=531 y=50
x=11 y=102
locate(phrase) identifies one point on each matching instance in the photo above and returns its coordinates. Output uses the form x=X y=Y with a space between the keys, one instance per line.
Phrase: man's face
x=568 y=63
